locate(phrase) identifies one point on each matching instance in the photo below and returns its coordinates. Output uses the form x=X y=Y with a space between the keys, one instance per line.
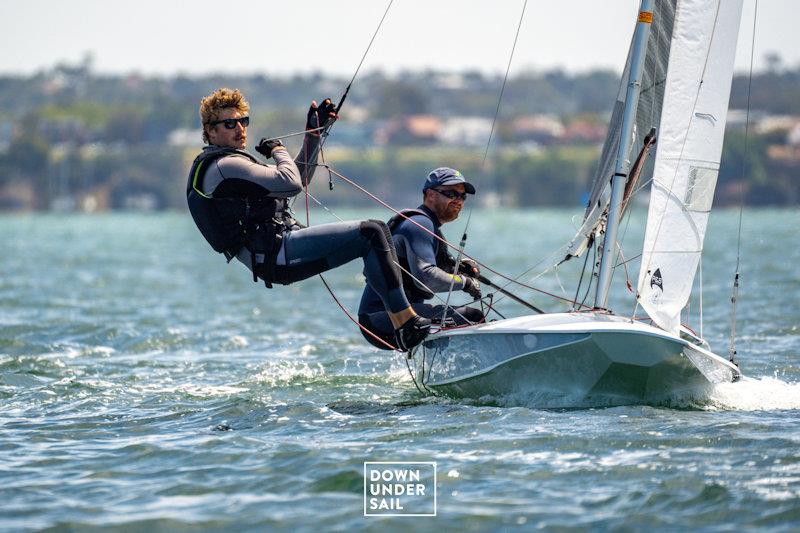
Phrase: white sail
x=688 y=153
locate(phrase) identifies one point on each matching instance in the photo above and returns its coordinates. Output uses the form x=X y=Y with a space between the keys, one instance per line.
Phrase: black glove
x=472 y=287
x=319 y=116
x=469 y=267
x=266 y=146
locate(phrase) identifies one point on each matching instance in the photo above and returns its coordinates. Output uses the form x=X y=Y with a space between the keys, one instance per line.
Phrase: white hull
x=568 y=360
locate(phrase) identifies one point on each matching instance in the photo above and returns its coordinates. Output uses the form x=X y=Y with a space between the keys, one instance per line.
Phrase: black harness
x=445 y=261
x=239 y=214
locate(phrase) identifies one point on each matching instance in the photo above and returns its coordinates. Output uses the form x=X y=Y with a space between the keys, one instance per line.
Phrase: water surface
x=145 y=384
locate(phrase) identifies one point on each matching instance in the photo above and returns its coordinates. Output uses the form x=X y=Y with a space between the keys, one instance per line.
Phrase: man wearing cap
x=426 y=265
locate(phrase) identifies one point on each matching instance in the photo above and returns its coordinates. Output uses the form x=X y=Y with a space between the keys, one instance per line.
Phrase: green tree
x=399 y=98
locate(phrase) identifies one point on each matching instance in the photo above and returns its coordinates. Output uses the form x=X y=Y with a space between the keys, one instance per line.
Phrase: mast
x=622 y=165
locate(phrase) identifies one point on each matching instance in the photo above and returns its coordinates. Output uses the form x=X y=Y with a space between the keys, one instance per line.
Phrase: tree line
x=67 y=132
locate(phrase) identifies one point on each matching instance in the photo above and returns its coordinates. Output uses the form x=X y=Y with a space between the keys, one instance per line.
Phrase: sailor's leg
x=311 y=251
x=380 y=326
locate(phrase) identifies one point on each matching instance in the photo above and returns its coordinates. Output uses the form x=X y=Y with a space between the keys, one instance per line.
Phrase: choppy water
x=145 y=385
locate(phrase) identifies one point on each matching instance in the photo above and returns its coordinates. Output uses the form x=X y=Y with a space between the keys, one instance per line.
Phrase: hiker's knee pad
x=378 y=234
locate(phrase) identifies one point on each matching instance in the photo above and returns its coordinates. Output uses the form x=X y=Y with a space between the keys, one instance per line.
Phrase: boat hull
x=568 y=360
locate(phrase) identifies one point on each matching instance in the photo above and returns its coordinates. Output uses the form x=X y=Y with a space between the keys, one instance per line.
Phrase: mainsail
x=648 y=116
x=688 y=153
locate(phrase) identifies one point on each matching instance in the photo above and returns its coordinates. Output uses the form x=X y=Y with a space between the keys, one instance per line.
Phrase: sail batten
x=688 y=152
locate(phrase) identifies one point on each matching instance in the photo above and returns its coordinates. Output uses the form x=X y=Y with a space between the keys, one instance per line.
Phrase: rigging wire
x=515 y=280
x=701 y=297
x=463 y=242
x=364 y=56
x=580 y=279
x=592 y=277
x=735 y=288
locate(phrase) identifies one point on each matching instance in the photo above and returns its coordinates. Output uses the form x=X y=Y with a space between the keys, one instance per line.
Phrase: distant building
x=784 y=154
x=414 y=129
x=793 y=137
x=453 y=81
x=777 y=124
x=466 y=131
x=584 y=131
x=738 y=119
x=541 y=129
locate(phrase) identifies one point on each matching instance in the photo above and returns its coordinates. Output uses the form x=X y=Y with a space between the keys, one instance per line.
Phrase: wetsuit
x=426 y=258
x=305 y=252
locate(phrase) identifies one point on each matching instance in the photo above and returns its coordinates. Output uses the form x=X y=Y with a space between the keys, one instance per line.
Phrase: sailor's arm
x=318 y=117
x=420 y=247
x=281 y=180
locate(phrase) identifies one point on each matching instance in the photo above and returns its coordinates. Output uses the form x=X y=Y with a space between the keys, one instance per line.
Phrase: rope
x=295 y=134
x=324 y=132
x=735 y=288
x=413 y=378
x=486 y=151
x=444 y=241
x=330 y=290
x=490 y=306
x=340 y=219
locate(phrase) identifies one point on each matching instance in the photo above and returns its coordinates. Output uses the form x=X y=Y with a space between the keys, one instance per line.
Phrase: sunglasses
x=452 y=194
x=230 y=123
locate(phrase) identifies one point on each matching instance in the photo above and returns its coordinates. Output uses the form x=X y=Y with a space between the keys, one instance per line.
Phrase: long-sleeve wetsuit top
x=419 y=248
x=282 y=180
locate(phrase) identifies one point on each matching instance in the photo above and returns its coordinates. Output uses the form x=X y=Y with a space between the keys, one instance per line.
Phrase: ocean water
x=147 y=385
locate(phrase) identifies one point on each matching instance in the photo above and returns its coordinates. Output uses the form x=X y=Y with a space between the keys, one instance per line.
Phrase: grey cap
x=447 y=176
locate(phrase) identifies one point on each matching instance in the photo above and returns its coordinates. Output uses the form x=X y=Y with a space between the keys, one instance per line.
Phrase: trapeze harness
x=238 y=214
x=444 y=260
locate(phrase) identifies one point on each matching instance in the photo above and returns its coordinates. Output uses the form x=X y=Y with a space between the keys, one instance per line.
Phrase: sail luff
x=648 y=115
x=687 y=154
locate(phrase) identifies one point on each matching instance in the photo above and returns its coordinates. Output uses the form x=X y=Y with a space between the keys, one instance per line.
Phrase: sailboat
x=673 y=94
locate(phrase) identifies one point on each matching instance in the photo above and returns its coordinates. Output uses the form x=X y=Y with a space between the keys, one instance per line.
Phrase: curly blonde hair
x=211 y=105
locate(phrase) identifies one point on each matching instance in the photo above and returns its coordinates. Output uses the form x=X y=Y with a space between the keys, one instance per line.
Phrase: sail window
x=700 y=192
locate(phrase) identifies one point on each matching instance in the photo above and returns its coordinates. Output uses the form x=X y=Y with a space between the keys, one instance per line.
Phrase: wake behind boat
x=674 y=93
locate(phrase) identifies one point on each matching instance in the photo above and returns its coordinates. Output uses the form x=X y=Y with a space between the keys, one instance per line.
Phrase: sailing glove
x=472 y=287
x=267 y=146
x=320 y=115
x=469 y=267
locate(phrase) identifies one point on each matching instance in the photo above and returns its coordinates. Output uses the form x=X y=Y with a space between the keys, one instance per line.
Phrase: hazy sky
x=201 y=36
